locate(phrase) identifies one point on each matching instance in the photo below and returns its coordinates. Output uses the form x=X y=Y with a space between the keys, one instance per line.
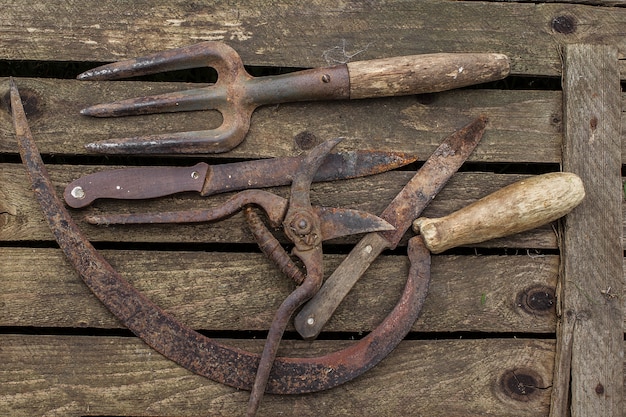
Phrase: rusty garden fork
x=236 y=94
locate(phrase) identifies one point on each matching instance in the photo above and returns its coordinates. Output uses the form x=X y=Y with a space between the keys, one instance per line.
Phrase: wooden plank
x=22 y=219
x=525 y=126
x=78 y=376
x=241 y=291
x=276 y=35
x=590 y=351
x=607 y=3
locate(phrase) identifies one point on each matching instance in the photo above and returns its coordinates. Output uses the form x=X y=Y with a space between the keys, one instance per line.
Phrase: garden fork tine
x=235 y=113
x=236 y=93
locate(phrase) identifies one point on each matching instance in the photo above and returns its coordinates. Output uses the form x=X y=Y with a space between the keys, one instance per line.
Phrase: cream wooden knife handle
x=521 y=206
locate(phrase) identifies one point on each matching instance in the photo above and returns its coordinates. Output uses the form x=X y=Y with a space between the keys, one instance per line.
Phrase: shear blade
x=338 y=222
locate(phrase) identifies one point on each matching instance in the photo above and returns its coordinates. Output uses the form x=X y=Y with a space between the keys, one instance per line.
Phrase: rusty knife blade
x=151 y=182
x=404 y=208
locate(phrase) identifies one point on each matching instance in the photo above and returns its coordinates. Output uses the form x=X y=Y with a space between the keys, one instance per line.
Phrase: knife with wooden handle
x=521 y=206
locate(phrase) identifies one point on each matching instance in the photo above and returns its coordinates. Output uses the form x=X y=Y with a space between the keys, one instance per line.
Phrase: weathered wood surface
x=591 y=335
x=274 y=34
x=524 y=125
x=82 y=376
x=619 y=3
x=241 y=291
x=22 y=220
x=185 y=269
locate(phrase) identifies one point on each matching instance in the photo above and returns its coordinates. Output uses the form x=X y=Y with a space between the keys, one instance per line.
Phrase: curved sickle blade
x=188 y=348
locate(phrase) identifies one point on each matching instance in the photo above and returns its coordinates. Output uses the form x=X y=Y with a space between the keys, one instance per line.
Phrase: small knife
x=151 y=182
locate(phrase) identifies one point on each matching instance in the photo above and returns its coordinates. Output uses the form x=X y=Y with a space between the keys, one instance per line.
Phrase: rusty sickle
x=196 y=352
x=405 y=207
x=236 y=94
x=190 y=349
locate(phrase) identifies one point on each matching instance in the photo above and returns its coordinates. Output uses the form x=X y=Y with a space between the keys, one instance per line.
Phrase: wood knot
x=306 y=140
x=537 y=299
x=521 y=384
x=564 y=24
x=600 y=389
x=30 y=102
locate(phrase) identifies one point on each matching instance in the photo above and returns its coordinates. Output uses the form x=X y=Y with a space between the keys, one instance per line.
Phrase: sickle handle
x=521 y=206
x=427 y=73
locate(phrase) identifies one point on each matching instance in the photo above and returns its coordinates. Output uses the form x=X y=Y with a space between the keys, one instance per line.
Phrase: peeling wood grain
x=592 y=280
x=77 y=376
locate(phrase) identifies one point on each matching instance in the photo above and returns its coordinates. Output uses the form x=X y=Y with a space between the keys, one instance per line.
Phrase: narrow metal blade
x=338 y=222
x=275 y=172
x=430 y=179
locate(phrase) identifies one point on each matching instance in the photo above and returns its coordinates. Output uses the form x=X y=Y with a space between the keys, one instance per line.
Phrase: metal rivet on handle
x=78 y=193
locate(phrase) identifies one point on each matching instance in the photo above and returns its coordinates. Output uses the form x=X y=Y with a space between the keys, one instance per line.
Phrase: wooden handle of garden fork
x=427 y=73
x=521 y=206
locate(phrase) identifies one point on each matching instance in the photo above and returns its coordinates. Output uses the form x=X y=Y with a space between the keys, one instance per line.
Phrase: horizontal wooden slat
x=307 y=33
x=22 y=219
x=524 y=127
x=104 y=376
x=607 y=3
x=242 y=291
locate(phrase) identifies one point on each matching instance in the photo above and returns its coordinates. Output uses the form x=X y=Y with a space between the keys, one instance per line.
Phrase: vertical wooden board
x=590 y=351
